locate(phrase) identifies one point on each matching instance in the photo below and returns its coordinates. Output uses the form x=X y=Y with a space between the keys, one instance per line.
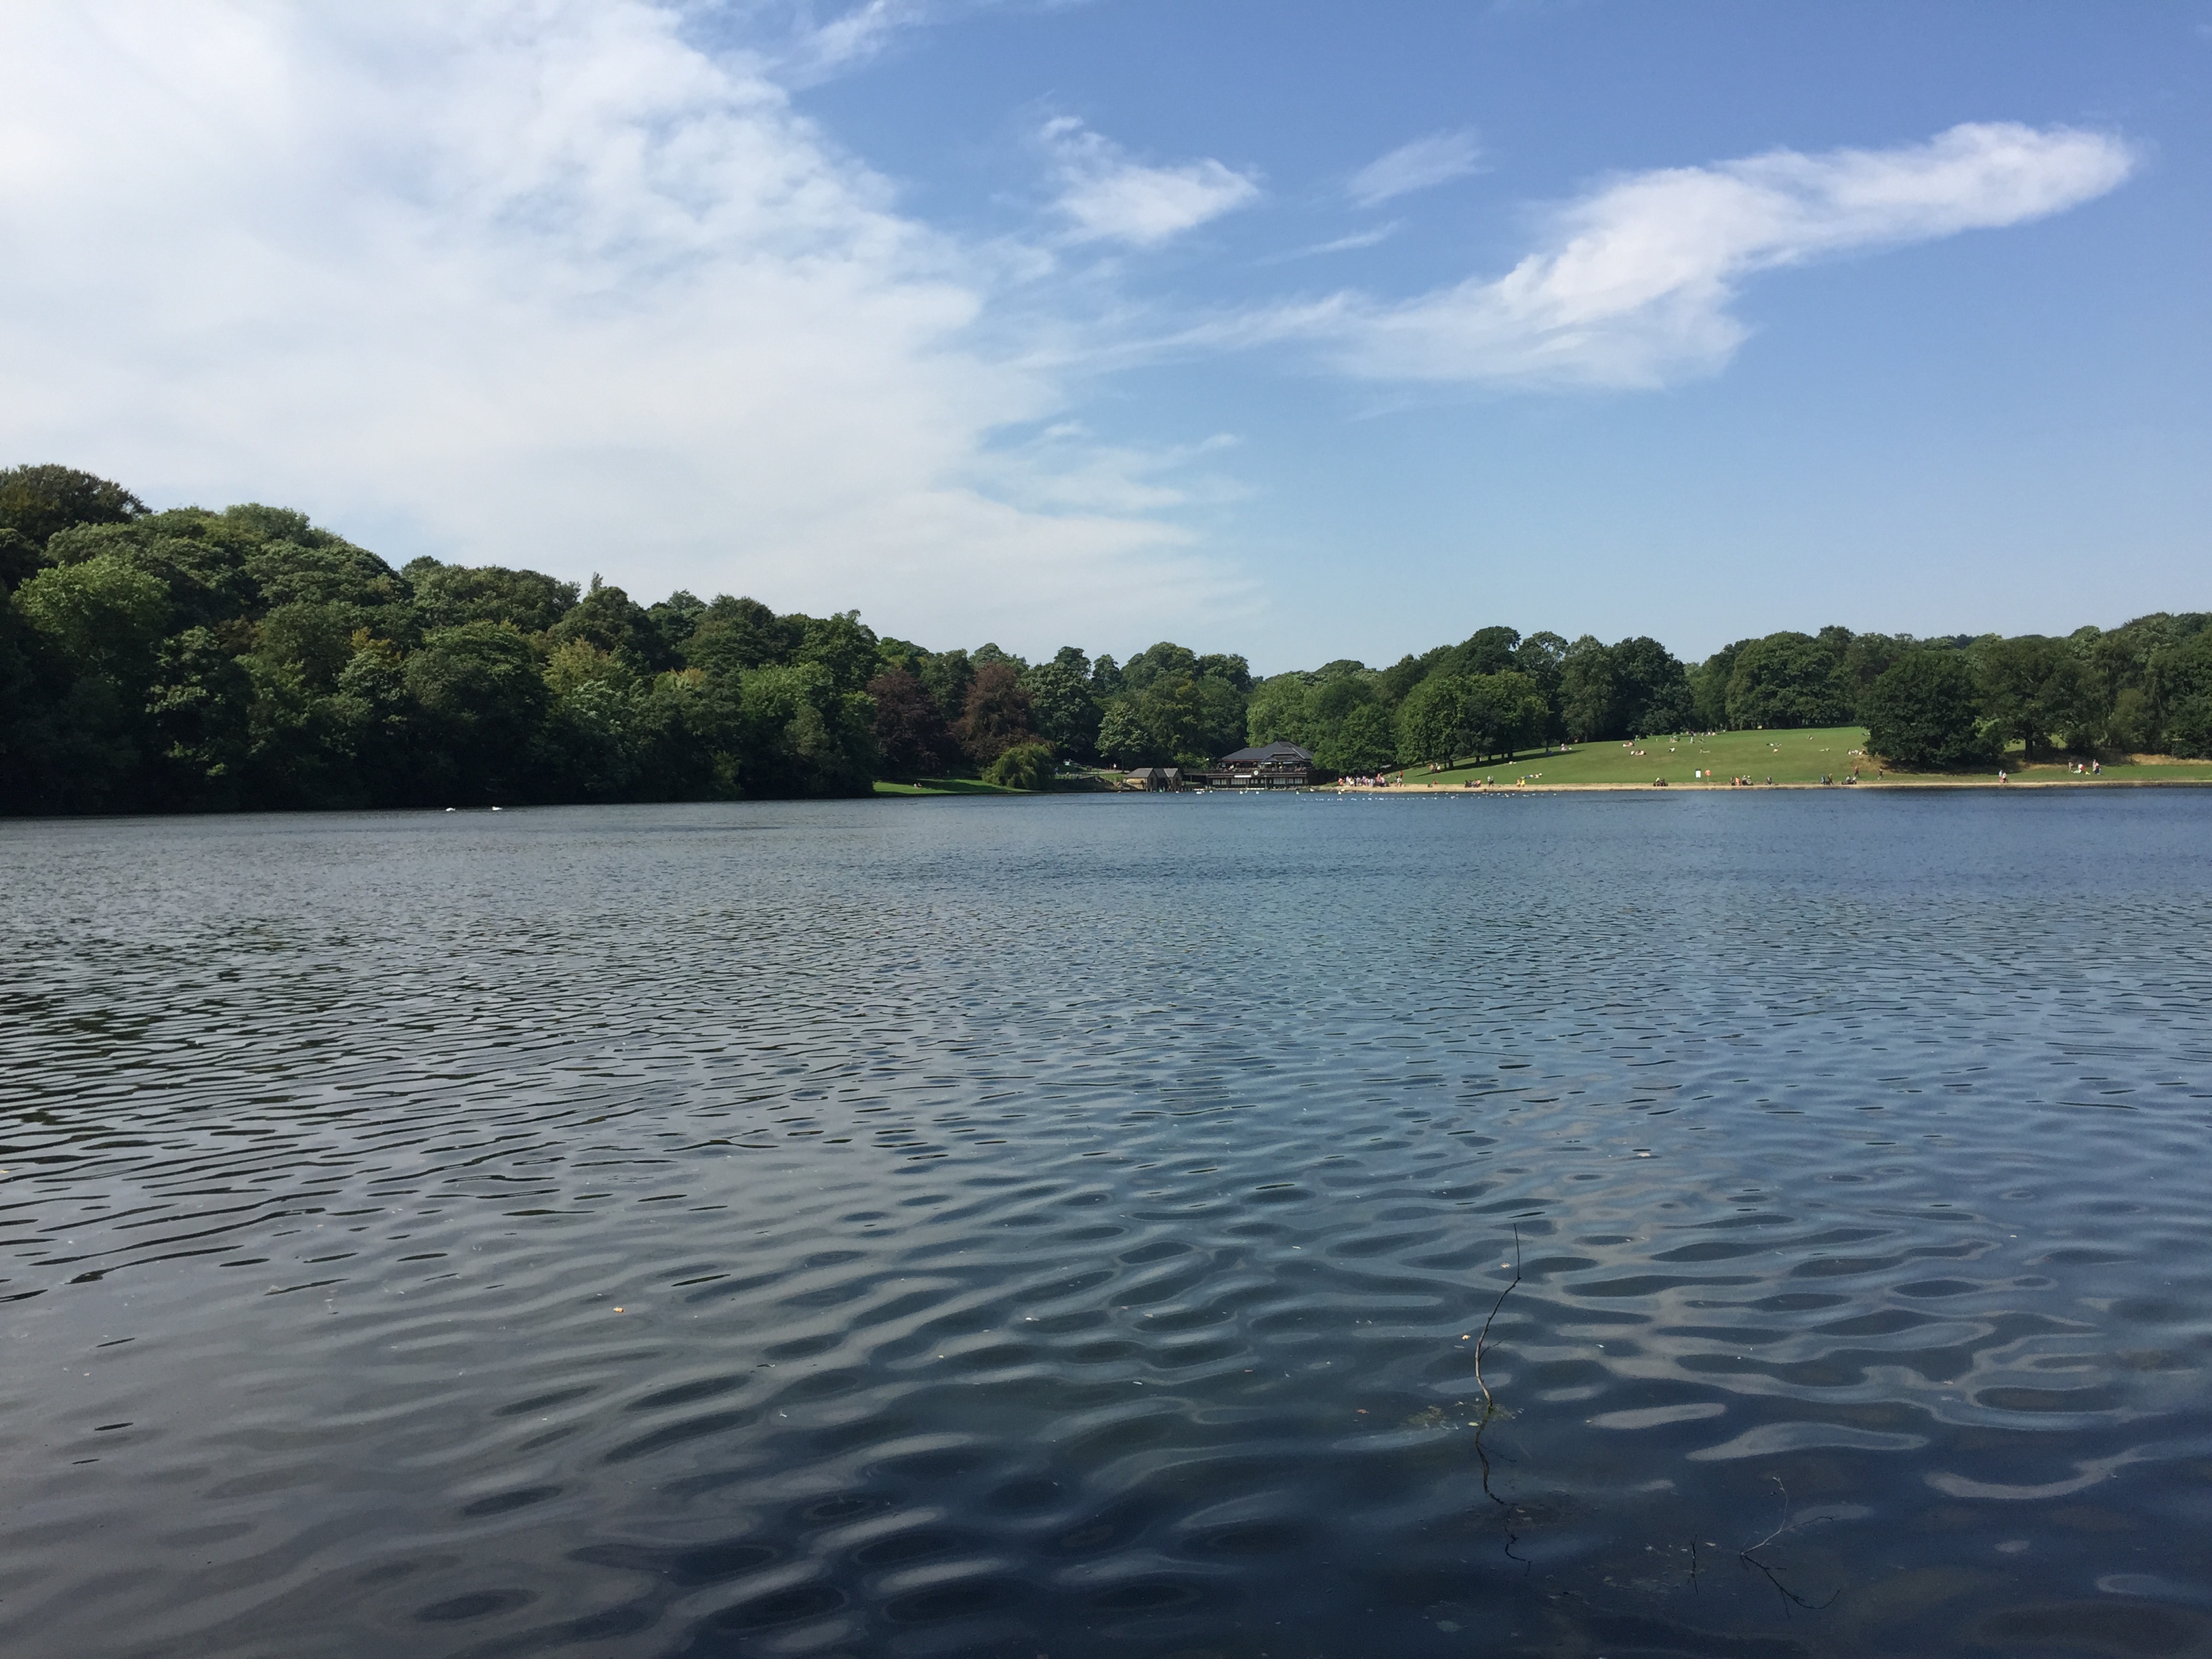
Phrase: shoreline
x=1701 y=785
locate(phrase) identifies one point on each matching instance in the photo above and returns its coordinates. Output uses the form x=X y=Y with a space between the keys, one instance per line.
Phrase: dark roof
x=1272 y=754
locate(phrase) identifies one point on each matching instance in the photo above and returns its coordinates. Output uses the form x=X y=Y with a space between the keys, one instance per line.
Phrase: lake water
x=1066 y=1227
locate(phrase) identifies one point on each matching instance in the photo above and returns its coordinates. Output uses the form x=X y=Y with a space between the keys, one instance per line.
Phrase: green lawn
x=2118 y=769
x=1781 y=756
x=945 y=787
x=1784 y=757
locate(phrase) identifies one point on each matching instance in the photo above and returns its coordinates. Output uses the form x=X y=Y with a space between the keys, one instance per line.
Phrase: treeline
x=194 y=661
x=1941 y=703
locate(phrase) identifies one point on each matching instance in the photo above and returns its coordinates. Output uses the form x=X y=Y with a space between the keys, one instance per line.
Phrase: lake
x=1068 y=1226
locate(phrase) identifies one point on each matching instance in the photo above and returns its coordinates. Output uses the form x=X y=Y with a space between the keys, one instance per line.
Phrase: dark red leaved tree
x=909 y=730
x=997 y=715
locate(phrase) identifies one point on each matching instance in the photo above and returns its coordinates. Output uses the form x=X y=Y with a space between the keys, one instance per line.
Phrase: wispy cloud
x=1436 y=159
x=1633 y=286
x=538 y=281
x=1107 y=196
x=1350 y=244
x=858 y=34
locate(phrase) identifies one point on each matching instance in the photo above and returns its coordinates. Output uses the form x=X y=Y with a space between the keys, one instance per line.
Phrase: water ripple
x=1071 y=1226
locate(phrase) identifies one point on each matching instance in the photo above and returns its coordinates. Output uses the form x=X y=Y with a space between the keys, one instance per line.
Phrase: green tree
x=1865 y=659
x=20 y=559
x=946 y=675
x=841 y=644
x=1651 y=689
x=1061 y=707
x=1922 y=712
x=1399 y=679
x=1586 y=690
x=1543 y=657
x=674 y=619
x=1125 y=740
x=2032 y=686
x=1024 y=766
x=1165 y=658
x=731 y=636
x=611 y=623
x=1365 y=741
x=451 y=596
x=104 y=616
x=1787 y=680
x=1187 y=719
x=333 y=574
x=35 y=501
x=1486 y=650
x=1499 y=712
x=376 y=714
x=803 y=736
x=199 y=560
x=200 y=712
x=1280 y=711
x=481 y=697
x=1432 y=720
x=2184 y=673
x=84 y=644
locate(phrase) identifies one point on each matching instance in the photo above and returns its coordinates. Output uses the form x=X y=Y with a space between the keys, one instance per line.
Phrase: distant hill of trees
x=193 y=660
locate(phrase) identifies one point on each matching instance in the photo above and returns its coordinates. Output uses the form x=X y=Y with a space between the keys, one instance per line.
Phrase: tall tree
x=1587 y=695
x=452 y=595
x=1788 y=680
x=1432 y=720
x=35 y=501
x=997 y=715
x=1922 y=713
x=910 y=731
x=481 y=695
x=1061 y=707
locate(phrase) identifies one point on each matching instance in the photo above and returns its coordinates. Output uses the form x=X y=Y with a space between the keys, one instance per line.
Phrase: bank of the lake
x=1780 y=759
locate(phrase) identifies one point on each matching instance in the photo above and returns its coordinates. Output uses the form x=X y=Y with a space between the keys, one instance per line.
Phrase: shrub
x=1024 y=766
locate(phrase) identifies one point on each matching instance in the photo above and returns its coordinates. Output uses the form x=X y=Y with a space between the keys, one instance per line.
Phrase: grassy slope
x=944 y=787
x=1795 y=757
x=1784 y=757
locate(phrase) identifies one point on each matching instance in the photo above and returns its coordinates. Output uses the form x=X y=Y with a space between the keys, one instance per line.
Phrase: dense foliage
x=188 y=660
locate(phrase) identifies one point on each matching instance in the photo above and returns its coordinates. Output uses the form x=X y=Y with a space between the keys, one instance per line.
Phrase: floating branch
x=1748 y=1556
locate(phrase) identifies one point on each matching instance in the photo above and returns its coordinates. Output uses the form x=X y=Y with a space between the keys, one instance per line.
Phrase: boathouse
x=1264 y=766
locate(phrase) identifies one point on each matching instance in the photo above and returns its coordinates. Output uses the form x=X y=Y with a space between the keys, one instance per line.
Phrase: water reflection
x=944 y=1227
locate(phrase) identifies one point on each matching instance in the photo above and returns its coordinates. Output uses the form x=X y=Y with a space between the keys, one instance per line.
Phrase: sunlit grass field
x=944 y=787
x=1778 y=758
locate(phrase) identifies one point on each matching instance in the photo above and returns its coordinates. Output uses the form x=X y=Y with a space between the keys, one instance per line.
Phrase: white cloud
x=1108 y=197
x=813 y=49
x=1634 y=285
x=531 y=281
x=1352 y=243
x=1436 y=159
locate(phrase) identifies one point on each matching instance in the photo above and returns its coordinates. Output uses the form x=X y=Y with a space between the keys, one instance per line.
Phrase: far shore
x=1702 y=786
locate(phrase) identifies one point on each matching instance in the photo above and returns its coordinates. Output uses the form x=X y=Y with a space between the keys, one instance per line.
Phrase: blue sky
x=1303 y=330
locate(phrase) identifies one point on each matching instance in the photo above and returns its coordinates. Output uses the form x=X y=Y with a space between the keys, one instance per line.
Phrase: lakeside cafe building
x=1267 y=766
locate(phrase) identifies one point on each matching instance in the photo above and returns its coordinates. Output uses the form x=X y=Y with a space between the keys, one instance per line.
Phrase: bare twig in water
x=1489 y=1400
x=1786 y=1525
x=1482 y=1342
